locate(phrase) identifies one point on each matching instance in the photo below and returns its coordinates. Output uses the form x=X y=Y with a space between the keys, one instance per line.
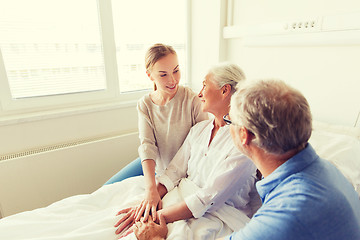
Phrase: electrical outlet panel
x=302 y=26
x=275 y=28
x=348 y=24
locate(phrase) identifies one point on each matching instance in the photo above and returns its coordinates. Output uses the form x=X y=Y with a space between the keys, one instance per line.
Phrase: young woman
x=165 y=118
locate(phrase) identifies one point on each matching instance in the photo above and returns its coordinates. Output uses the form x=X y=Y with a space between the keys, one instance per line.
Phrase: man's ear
x=245 y=136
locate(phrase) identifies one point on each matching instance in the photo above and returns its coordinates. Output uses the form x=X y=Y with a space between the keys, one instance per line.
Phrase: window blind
x=51 y=47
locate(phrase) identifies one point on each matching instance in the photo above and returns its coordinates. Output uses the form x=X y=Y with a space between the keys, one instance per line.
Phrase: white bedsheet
x=92 y=216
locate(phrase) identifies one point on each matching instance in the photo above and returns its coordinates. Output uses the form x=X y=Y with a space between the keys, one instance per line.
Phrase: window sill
x=63 y=112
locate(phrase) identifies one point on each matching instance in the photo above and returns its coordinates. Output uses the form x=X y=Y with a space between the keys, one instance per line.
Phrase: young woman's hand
x=149 y=205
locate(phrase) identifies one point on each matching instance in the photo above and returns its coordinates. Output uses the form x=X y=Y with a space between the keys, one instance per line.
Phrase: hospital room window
x=138 y=24
x=50 y=50
x=71 y=47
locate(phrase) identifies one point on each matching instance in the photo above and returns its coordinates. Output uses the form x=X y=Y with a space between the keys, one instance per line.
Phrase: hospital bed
x=92 y=216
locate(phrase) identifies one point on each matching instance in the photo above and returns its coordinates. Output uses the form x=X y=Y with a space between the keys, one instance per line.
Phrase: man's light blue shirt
x=305 y=198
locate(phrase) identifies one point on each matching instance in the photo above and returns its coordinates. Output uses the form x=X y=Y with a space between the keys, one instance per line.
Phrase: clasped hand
x=148 y=206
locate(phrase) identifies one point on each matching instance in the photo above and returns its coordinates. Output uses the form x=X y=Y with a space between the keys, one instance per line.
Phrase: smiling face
x=166 y=74
x=211 y=95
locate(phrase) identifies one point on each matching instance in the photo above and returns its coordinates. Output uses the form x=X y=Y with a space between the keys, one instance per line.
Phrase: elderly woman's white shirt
x=222 y=173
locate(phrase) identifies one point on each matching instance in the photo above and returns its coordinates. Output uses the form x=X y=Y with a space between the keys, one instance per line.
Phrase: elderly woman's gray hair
x=227 y=73
x=278 y=115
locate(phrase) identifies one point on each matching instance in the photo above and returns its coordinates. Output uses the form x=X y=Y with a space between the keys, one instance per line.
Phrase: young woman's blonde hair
x=155 y=53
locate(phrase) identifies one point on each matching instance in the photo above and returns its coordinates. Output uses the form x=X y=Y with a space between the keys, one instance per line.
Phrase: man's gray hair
x=278 y=115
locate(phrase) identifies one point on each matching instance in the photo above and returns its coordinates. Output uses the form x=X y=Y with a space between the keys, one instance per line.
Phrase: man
x=304 y=196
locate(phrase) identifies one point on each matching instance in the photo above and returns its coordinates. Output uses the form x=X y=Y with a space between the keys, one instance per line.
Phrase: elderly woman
x=208 y=160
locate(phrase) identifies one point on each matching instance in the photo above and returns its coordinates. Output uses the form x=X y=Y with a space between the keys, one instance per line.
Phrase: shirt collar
x=220 y=128
x=295 y=164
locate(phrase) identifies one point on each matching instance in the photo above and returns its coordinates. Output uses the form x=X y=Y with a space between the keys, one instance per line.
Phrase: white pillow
x=340 y=148
x=343 y=130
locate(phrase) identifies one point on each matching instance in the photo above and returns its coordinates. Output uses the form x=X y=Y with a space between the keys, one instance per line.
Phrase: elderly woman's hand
x=150 y=229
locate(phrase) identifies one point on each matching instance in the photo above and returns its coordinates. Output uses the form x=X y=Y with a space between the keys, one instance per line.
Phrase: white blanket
x=92 y=216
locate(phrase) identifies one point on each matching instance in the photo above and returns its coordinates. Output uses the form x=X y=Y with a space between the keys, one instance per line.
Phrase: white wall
x=207 y=48
x=40 y=179
x=327 y=75
x=54 y=128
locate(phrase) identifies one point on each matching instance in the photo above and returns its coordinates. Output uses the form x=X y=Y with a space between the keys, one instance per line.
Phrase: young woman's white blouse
x=223 y=174
x=163 y=129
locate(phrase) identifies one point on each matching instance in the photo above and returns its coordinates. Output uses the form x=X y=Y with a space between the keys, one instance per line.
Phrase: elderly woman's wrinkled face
x=210 y=94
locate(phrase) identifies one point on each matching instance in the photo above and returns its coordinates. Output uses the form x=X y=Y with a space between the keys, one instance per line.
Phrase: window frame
x=112 y=94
